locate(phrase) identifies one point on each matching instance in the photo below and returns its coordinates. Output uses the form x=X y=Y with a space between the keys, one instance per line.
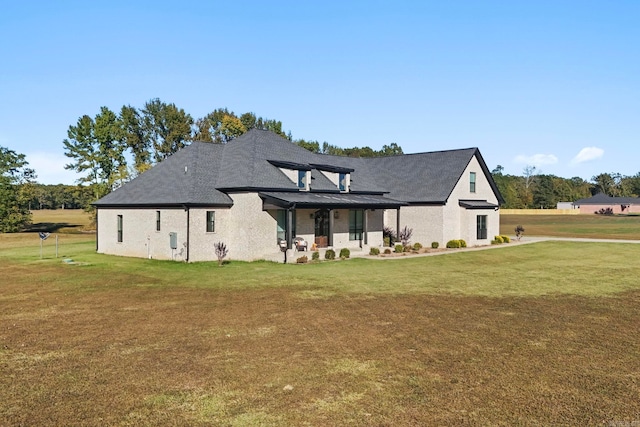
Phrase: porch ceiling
x=310 y=200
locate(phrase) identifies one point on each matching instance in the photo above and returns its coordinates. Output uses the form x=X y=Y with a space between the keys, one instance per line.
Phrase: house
x=260 y=192
x=601 y=202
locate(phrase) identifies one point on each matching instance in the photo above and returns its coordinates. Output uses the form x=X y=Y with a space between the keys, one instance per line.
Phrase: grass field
x=592 y=226
x=538 y=334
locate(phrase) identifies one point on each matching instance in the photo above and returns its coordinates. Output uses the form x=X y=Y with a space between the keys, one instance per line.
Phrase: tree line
x=535 y=190
x=98 y=146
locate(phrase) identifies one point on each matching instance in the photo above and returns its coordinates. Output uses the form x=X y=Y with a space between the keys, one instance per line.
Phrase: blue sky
x=553 y=84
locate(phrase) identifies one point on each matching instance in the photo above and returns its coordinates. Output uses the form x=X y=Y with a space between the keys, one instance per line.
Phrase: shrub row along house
x=261 y=190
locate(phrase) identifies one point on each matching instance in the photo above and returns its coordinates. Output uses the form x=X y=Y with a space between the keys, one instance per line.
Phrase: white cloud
x=537 y=160
x=50 y=168
x=587 y=154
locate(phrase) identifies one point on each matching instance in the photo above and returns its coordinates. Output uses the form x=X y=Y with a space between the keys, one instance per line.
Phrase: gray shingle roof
x=603 y=199
x=182 y=179
x=201 y=173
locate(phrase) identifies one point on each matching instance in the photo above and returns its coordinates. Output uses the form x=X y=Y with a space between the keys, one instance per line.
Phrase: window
x=119 y=228
x=355 y=224
x=157 y=220
x=302 y=179
x=472 y=182
x=343 y=182
x=211 y=221
x=481 y=223
x=281 y=219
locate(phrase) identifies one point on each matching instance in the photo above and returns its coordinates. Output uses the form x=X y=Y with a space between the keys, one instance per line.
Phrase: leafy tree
x=134 y=137
x=313 y=146
x=231 y=127
x=392 y=149
x=167 y=128
x=221 y=126
x=97 y=151
x=604 y=183
x=15 y=181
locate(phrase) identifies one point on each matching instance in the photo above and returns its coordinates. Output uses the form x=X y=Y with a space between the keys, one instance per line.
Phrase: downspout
x=290 y=226
x=186 y=208
x=397 y=223
x=97 y=228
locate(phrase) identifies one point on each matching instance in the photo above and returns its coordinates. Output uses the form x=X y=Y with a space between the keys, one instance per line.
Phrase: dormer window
x=303 y=180
x=340 y=176
x=302 y=177
x=299 y=174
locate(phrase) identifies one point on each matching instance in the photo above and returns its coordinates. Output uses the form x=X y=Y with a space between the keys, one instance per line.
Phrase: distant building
x=566 y=205
x=599 y=202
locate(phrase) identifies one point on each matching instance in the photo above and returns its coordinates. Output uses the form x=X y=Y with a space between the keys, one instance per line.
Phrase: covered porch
x=329 y=220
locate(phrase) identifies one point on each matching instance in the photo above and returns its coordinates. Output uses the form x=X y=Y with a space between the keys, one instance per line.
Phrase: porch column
x=397 y=223
x=365 y=225
x=289 y=232
x=330 y=237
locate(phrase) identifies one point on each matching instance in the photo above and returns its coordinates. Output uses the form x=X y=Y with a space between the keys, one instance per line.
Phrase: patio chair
x=301 y=244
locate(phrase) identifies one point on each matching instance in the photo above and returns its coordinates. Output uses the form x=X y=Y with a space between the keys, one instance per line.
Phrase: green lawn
x=509 y=270
x=592 y=226
x=535 y=334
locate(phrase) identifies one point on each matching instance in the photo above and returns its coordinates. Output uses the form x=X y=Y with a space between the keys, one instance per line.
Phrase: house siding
x=451 y=221
x=466 y=218
x=617 y=208
x=249 y=232
x=139 y=235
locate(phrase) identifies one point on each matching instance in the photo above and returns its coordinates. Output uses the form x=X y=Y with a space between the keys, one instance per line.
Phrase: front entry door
x=322 y=228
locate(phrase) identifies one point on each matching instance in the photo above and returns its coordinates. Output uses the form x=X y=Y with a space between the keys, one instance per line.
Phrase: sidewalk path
x=514 y=242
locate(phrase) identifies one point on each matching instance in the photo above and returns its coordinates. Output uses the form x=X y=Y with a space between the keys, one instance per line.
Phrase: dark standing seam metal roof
x=244 y=164
x=476 y=204
x=305 y=199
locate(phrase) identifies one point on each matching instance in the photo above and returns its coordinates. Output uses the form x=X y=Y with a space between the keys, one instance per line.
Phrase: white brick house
x=260 y=189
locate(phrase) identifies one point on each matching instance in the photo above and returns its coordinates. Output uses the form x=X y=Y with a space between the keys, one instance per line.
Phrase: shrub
x=386 y=242
x=605 y=211
x=315 y=256
x=506 y=239
x=399 y=249
x=519 y=231
x=435 y=245
x=221 y=251
x=453 y=244
x=387 y=251
x=407 y=248
x=495 y=242
x=405 y=235
x=345 y=253
x=330 y=254
x=374 y=251
x=302 y=260
x=388 y=233
x=417 y=246
x=498 y=239
x=463 y=244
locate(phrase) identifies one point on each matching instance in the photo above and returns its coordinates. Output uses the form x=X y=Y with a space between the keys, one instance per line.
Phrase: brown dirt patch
x=154 y=356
